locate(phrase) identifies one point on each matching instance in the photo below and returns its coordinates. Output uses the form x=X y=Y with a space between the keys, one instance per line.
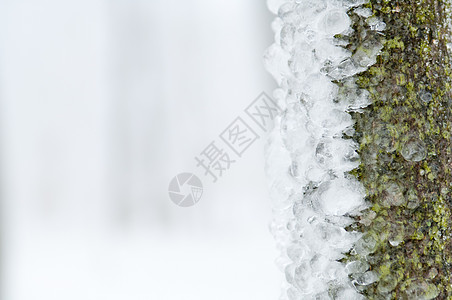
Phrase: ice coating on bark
x=308 y=153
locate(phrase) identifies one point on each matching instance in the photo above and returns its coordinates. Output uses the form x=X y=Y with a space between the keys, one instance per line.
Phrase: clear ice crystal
x=367 y=278
x=413 y=199
x=357 y=267
x=363 y=12
x=425 y=96
x=421 y=289
x=376 y=24
x=366 y=245
x=387 y=284
x=334 y=21
x=414 y=150
x=393 y=195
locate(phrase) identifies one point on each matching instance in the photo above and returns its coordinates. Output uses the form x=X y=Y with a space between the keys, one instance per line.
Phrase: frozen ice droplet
x=340 y=196
x=336 y=119
x=336 y=154
x=351 y=96
x=376 y=24
x=302 y=277
x=367 y=278
x=363 y=12
x=315 y=174
x=324 y=152
x=384 y=139
x=414 y=150
x=335 y=21
x=387 y=284
x=297 y=251
x=357 y=266
x=421 y=289
x=288 y=13
x=366 y=54
x=425 y=96
x=366 y=245
x=396 y=234
x=393 y=195
x=344 y=69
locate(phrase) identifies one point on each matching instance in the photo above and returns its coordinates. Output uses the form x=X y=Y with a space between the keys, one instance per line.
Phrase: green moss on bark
x=405 y=148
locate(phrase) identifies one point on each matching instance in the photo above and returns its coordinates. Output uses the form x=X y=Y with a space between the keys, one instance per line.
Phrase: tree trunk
x=387 y=217
x=405 y=149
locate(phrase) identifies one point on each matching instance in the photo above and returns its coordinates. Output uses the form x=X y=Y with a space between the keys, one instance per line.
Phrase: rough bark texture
x=405 y=149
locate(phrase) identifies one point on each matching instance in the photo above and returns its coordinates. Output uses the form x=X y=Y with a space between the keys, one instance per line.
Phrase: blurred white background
x=101 y=104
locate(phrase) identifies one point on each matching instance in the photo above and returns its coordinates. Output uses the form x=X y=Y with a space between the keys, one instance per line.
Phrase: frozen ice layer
x=309 y=154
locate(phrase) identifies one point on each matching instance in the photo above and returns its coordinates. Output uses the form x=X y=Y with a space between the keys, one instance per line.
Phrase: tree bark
x=405 y=149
